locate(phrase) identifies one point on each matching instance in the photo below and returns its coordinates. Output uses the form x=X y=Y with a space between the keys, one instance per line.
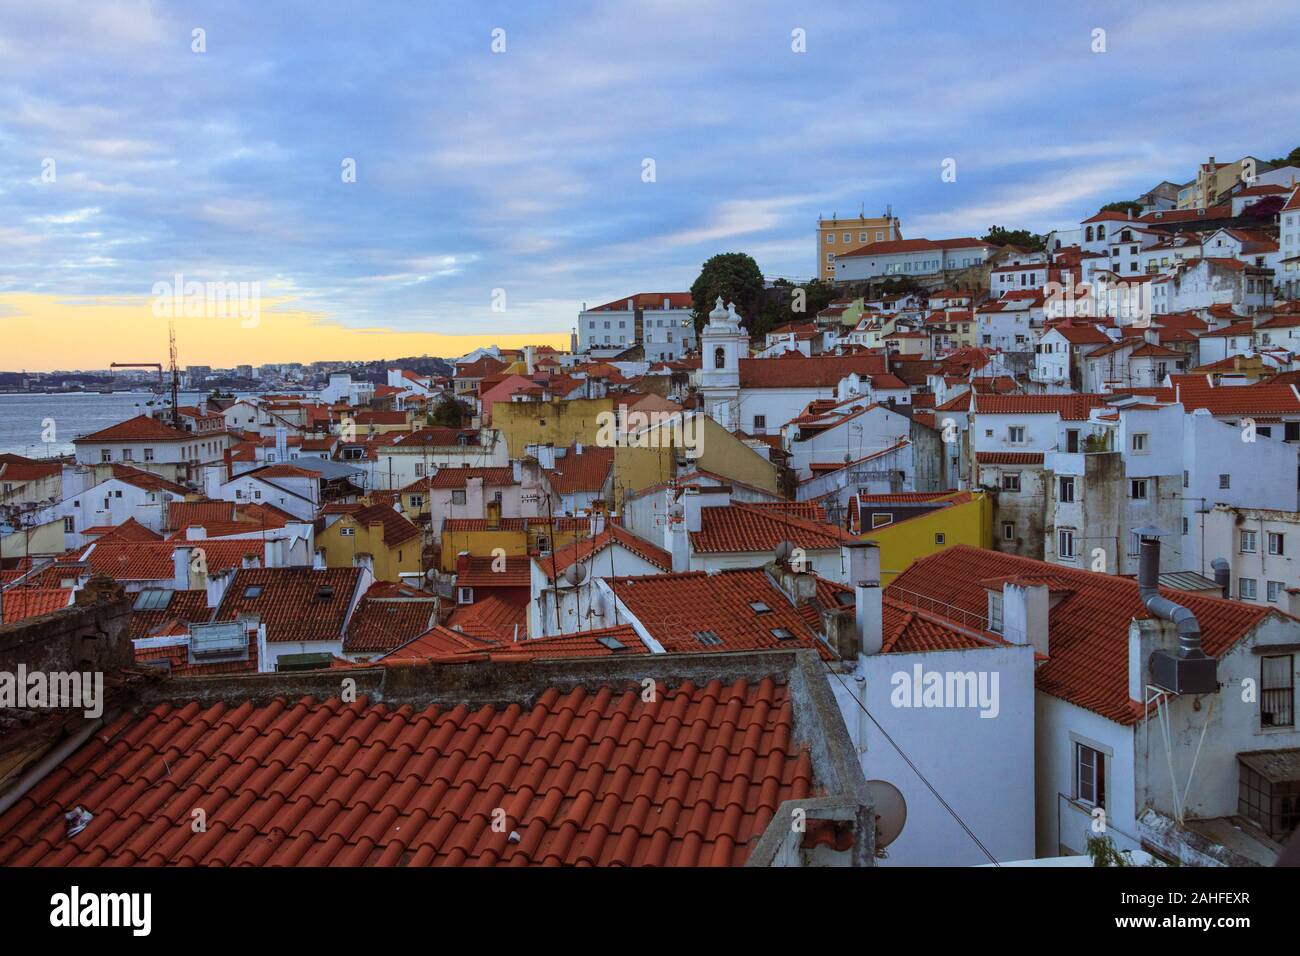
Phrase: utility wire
x=915 y=769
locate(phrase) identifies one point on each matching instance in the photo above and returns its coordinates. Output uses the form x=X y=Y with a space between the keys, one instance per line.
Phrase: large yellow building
x=836 y=235
x=376 y=537
x=1213 y=180
x=912 y=525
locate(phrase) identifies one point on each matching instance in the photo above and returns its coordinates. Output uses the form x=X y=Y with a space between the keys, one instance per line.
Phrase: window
x=1275 y=543
x=1016 y=434
x=1246 y=589
x=1272 y=802
x=458 y=497
x=995 y=612
x=848 y=237
x=708 y=638
x=1247 y=542
x=758 y=607
x=1225 y=482
x=417 y=501
x=148 y=454
x=70 y=525
x=106 y=454
x=1065 y=543
x=719 y=357
x=782 y=634
x=940 y=539
x=1065 y=490
x=1089 y=776
x=760 y=422
x=1137 y=489
x=543 y=544
x=464 y=595
x=1185 y=526
x=1275 y=589
x=252 y=591
x=1277 y=691
x=862 y=237
x=830 y=238
x=881 y=518
x=419 y=469
x=1008 y=531
x=1011 y=481
x=347 y=532
x=1139 y=443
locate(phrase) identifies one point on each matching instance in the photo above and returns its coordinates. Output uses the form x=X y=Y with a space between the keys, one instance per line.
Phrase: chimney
x=597 y=522
x=517 y=471
x=181 y=559
x=462 y=562
x=1025 y=610
x=1187 y=670
x=691 y=508
x=216 y=585
x=1222 y=576
x=631 y=305
x=273 y=553
x=677 y=543
x=863 y=558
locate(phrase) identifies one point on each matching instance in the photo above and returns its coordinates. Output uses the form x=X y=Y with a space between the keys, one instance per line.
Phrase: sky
x=500 y=152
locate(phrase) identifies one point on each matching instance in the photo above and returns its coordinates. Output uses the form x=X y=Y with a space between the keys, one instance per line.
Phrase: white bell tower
x=722 y=344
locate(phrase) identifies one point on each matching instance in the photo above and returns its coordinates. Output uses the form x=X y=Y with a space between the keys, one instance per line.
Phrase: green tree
x=1001 y=236
x=734 y=276
x=1291 y=157
x=1124 y=205
x=450 y=413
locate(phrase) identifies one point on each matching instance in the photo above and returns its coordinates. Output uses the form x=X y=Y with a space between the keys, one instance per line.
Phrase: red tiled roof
x=182 y=514
x=585 y=472
x=128 y=530
x=479 y=572
x=153 y=561
x=1008 y=457
x=20 y=603
x=1088 y=645
x=389 y=616
x=146 y=480
x=739 y=527
x=1073 y=407
x=1264 y=398
x=140 y=428
x=798 y=371
x=395 y=528
x=594 y=776
x=892 y=246
x=445 y=644
x=295 y=604
x=677 y=608
x=648 y=300
x=187 y=606
x=454 y=478
x=583 y=548
x=492 y=618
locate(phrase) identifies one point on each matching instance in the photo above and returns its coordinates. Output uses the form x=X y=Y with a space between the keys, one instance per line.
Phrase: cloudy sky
x=522 y=170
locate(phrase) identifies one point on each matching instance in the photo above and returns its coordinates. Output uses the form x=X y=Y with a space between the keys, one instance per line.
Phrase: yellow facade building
x=376 y=537
x=912 y=525
x=837 y=235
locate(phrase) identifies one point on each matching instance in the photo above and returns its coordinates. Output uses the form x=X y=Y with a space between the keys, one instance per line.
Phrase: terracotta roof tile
x=389 y=616
x=587 y=776
x=1088 y=644
x=140 y=428
x=740 y=527
x=295 y=604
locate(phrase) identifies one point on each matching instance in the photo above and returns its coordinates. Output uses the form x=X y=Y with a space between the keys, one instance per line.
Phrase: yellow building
x=558 y=423
x=912 y=525
x=652 y=455
x=844 y=235
x=375 y=536
x=1213 y=180
x=481 y=537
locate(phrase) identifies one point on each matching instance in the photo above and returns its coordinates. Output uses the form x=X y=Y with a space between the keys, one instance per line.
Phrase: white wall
x=983 y=766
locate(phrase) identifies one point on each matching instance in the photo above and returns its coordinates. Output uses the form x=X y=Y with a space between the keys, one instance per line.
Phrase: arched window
x=1087 y=235
x=719 y=357
x=1101 y=232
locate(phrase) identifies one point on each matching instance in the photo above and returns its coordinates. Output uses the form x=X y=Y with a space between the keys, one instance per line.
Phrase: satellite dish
x=890 y=809
x=783 y=551
x=576 y=573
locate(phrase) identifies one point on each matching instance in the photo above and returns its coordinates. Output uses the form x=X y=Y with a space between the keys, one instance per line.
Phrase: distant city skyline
x=495 y=193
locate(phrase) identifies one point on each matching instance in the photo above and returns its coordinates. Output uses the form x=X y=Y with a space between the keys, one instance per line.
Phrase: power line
x=915 y=769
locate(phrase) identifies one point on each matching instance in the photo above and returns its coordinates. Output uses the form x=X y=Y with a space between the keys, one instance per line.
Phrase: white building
x=914 y=257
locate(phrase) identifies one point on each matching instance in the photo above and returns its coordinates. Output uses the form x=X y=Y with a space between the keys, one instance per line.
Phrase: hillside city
x=963 y=551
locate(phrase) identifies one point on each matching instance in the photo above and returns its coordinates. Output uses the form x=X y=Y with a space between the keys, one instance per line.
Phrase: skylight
x=758 y=607
x=782 y=634
x=708 y=638
x=253 y=590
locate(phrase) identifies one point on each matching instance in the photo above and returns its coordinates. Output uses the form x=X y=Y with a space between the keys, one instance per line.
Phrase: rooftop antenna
x=176 y=375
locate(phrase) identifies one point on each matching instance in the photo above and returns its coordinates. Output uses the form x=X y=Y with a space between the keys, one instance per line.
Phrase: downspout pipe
x=1189 y=629
x=1222 y=576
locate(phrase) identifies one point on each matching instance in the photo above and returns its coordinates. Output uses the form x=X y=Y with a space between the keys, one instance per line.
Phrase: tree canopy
x=733 y=275
x=1023 y=238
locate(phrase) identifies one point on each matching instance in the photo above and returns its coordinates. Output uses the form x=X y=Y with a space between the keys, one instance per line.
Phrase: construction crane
x=172 y=367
